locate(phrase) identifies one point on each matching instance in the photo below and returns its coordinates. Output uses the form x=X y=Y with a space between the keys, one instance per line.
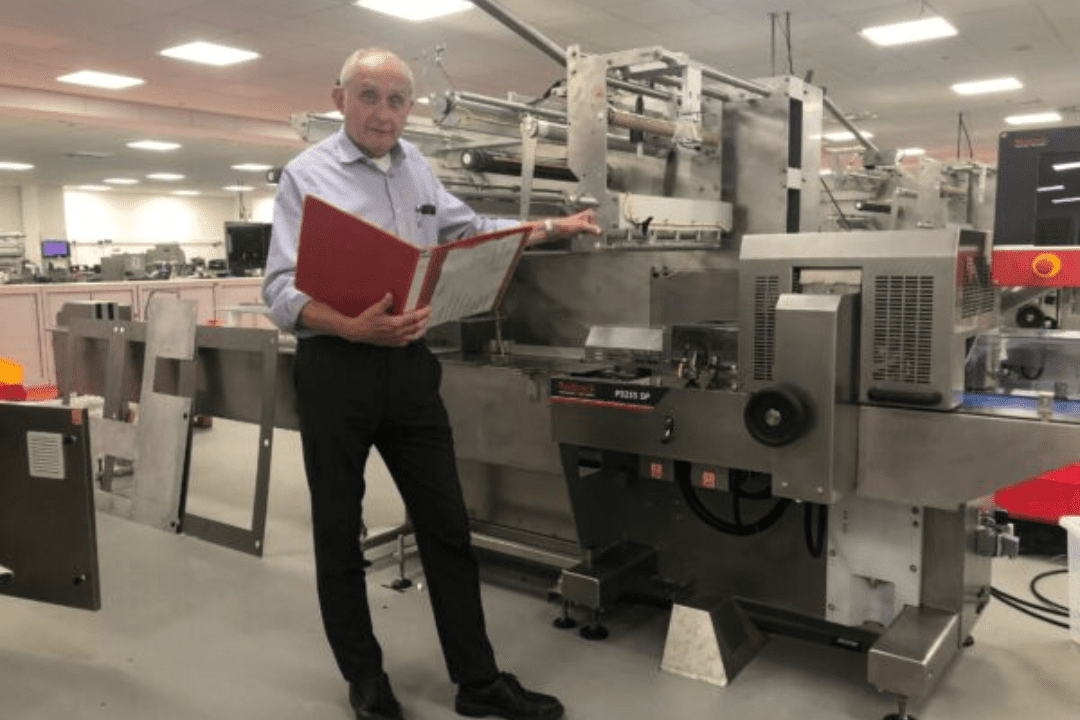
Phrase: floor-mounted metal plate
x=48 y=544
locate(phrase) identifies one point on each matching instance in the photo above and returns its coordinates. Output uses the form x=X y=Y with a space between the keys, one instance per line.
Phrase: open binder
x=350 y=264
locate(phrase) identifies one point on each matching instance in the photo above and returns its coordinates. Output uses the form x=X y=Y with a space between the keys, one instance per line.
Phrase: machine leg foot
x=902 y=714
x=565 y=622
x=400 y=584
x=969 y=641
x=594 y=630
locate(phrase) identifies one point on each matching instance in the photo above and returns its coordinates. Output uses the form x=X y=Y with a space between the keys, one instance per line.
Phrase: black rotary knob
x=776 y=416
x=1029 y=316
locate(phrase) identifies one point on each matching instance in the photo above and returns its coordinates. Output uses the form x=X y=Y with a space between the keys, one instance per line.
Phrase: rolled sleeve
x=279 y=288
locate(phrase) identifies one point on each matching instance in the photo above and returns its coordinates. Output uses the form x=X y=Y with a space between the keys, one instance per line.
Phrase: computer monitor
x=246 y=245
x=55 y=249
x=1038 y=192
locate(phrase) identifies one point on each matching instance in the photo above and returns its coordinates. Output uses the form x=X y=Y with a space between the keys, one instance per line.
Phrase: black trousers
x=352 y=396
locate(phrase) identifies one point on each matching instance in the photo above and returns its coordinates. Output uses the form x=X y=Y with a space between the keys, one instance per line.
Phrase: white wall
x=262 y=209
x=11 y=219
x=136 y=221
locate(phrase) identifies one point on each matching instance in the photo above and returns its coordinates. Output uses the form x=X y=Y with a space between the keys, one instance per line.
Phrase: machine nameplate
x=629 y=396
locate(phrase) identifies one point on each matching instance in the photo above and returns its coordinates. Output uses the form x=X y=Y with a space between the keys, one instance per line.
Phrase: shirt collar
x=347 y=151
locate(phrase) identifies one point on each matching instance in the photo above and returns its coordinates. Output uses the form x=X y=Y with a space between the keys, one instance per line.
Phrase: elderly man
x=370 y=381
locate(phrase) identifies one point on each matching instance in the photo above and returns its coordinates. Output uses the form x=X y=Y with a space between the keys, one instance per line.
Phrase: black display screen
x=246 y=245
x=1038 y=197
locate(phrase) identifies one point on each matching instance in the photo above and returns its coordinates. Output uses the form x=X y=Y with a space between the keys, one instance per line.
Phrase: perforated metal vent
x=766 y=294
x=46 y=453
x=976 y=292
x=903 y=328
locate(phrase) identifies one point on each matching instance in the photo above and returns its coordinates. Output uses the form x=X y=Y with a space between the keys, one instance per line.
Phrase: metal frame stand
x=115 y=437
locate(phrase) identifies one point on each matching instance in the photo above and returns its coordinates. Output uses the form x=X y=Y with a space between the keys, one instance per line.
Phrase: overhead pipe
x=711 y=74
x=557 y=53
x=616 y=118
x=484 y=100
x=862 y=139
x=525 y=31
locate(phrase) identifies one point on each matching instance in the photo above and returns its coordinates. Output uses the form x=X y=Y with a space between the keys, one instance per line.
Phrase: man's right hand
x=375 y=325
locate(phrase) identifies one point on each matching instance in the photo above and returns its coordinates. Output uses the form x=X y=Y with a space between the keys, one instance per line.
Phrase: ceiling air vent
x=88 y=155
x=46 y=451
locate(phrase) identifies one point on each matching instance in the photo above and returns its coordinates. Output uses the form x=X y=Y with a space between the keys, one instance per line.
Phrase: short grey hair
x=358 y=58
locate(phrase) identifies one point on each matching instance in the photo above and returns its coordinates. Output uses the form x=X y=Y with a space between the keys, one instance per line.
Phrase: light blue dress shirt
x=337 y=171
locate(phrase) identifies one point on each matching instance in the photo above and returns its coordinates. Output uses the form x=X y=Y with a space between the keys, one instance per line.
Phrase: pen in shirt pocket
x=426 y=209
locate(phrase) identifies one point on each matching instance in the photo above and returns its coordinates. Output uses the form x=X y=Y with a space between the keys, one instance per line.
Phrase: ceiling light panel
x=165 y=176
x=1034 y=118
x=93 y=78
x=1050 y=188
x=156 y=145
x=1061 y=201
x=416 y=10
x=252 y=167
x=1060 y=167
x=238 y=188
x=982 y=87
x=930 y=28
x=185 y=192
x=209 y=53
x=8 y=165
x=95 y=188
x=122 y=181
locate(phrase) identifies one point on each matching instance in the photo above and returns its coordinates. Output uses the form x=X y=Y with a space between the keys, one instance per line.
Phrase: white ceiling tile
x=643 y=12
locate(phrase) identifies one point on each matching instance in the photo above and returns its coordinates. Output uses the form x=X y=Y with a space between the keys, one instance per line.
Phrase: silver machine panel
x=779 y=464
x=925 y=297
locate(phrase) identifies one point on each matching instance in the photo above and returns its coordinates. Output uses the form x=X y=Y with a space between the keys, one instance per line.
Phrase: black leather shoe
x=505 y=698
x=372 y=699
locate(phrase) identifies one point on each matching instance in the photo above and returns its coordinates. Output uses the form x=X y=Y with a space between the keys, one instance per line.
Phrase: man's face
x=375 y=101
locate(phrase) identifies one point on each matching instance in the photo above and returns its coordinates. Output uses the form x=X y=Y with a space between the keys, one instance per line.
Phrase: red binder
x=350 y=264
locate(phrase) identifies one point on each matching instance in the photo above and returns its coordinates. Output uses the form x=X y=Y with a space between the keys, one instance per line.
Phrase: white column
x=42 y=217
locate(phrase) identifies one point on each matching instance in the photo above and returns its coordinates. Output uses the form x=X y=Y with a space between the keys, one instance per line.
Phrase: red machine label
x=1027 y=265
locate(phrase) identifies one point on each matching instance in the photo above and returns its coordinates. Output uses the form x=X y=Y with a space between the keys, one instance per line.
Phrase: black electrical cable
x=738 y=477
x=787 y=38
x=959 y=130
x=815 y=546
x=967 y=136
x=736 y=492
x=1031 y=605
x=847 y=225
x=1004 y=598
x=1042 y=598
x=682 y=479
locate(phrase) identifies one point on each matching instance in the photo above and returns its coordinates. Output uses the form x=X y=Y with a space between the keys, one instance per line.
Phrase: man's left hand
x=582 y=222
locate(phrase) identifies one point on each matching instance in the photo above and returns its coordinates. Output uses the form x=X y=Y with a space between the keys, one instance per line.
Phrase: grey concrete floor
x=189 y=630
